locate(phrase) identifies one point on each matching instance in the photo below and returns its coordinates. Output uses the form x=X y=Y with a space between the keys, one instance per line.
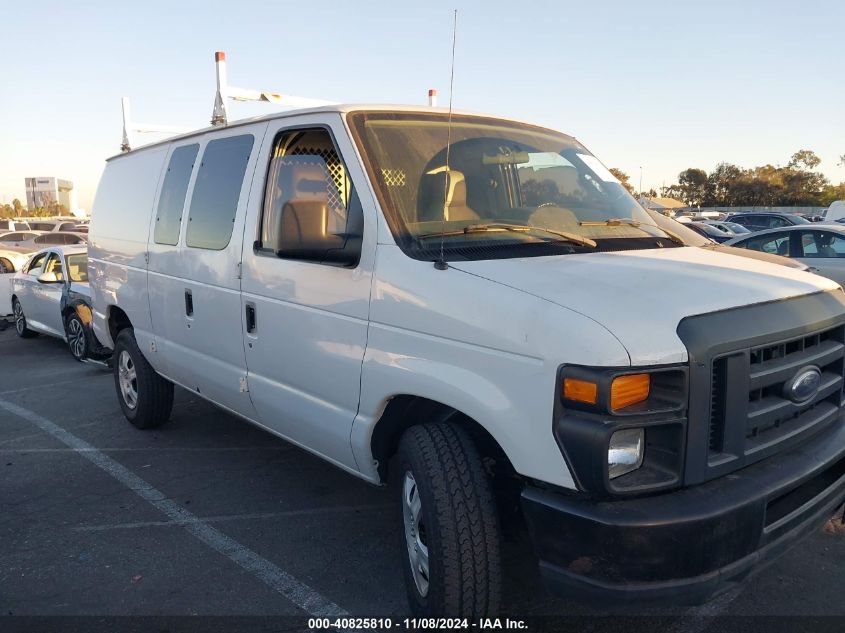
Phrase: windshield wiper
x=636 y=224
x=516 y=228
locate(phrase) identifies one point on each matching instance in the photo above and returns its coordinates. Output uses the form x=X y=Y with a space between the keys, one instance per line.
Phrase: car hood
x=641 y=296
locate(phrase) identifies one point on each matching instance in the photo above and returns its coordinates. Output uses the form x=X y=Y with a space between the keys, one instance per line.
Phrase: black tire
x=20 y=321
x=153 y=394
x=77 y=337
x=459 y=524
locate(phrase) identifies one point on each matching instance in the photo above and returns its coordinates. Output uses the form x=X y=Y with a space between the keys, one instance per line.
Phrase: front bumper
x=687 y=546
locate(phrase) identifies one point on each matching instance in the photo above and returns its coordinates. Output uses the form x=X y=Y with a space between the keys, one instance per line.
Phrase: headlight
x=601 y=418
x=625 y=452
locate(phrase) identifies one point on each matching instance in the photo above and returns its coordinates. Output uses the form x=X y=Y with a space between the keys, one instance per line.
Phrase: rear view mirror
x=48 y=278
x=303 y=233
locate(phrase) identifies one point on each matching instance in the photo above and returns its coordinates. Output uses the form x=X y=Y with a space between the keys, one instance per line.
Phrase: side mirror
x=48 y=278
x=303 y=233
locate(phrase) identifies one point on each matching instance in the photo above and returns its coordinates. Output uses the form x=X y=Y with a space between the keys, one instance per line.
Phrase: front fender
x=511 y=396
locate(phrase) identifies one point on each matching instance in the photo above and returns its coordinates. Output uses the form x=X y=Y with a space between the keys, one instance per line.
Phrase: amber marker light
x=628 y=390
x=580 y=390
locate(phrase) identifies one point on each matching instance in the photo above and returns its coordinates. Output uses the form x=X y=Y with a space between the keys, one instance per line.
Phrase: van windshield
x=509 y=190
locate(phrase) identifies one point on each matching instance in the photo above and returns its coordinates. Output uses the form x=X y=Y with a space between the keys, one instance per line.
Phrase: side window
x=6 y=266
x=822 y=244
x=4 y=225
x=778 y=223
x=12 y=237
x=216 y=192
x=311 y=211
x=36 y=266
x=67 y=226
x=777 y=244
x=54 y=265
x=173 y=191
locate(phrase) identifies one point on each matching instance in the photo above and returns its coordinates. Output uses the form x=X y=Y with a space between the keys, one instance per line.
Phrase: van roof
x=339 y=108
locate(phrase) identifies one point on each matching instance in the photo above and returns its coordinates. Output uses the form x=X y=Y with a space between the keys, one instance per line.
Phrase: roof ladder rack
x=220 y=114
x=130 y=127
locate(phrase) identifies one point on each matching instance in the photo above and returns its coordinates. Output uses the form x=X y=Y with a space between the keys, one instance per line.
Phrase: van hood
x=641 y=296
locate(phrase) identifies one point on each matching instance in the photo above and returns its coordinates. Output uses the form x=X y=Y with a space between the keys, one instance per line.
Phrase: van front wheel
x=451 y=539
x=145 y=397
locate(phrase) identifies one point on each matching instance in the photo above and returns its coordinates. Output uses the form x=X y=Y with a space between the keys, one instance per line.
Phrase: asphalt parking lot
x=211 y=516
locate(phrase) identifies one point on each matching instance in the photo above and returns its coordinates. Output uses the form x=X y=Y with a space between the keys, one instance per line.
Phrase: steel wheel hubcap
x=76 y=338
x=415 y=532
x=19 y=320
x=128 y=379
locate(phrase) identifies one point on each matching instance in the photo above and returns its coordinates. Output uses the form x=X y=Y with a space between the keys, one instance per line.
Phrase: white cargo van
x=475 y=308
x=835 y=212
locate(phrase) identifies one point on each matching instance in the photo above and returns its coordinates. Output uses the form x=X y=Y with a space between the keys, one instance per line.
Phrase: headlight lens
x=625 y=452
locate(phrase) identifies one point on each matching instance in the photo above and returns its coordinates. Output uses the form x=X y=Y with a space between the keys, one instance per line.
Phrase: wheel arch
x=403 y=411
x=117 y=320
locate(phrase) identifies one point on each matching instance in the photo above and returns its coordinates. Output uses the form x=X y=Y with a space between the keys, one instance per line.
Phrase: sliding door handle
x=251 y=322
x=189 y=303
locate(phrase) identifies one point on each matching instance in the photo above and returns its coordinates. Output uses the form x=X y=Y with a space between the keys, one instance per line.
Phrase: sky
x=650 y=87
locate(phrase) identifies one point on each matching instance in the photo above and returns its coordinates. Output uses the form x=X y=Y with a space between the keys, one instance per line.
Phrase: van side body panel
x=488 y=351
x=204 y=351
x=118 y=241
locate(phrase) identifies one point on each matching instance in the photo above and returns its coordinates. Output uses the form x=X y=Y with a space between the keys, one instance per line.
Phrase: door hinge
x=244 y=385
x=239 y=271
x=152 y=346
x=147 y=257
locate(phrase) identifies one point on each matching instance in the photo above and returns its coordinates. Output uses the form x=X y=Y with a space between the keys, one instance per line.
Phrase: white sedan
x=819 y=246
x=50 y=295
x=10 y=263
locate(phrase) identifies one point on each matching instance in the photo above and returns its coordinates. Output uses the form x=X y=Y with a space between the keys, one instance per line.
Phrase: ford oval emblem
x=804 y=385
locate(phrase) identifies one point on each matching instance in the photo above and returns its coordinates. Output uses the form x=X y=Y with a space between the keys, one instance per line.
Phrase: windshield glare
x=507 y=186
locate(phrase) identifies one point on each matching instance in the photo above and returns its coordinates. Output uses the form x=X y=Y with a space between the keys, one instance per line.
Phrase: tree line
x=797 y=184
x=17 y=210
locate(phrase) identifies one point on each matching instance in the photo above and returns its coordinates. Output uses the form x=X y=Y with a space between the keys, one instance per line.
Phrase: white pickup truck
x=475 y=308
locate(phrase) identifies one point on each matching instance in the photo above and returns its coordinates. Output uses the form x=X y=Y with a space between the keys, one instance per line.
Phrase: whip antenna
x=441 y=264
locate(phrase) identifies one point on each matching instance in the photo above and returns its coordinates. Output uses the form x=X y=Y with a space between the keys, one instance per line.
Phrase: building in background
x=45 y=191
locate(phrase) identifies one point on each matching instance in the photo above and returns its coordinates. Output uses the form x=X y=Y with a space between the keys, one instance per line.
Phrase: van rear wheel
x=145 y=397
x=451 y=536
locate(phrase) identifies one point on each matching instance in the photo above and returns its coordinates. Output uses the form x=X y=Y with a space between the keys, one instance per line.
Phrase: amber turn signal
x=580 y=390
x=628 y=390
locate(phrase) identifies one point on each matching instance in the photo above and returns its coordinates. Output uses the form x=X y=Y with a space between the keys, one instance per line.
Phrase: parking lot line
x=270 y=574
x=232 y=517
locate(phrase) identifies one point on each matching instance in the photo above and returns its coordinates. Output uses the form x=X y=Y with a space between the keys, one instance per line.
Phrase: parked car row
x=28 y=241
x=822 y=247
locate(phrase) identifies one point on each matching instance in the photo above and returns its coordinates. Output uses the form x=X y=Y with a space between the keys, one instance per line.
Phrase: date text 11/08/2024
x=416 y=623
